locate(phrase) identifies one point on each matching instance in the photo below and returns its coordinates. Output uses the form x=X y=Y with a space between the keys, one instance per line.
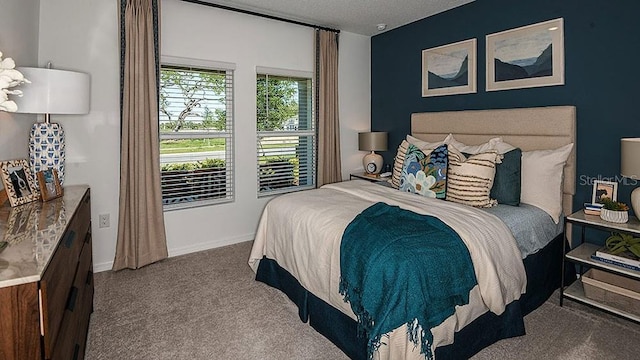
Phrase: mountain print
x=542 y=66
x=461 y=78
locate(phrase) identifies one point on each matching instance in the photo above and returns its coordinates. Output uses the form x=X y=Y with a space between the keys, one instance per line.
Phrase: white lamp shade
x=54 y=91
x=630 y=158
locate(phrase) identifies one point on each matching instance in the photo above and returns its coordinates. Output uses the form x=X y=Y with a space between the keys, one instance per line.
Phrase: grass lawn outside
x=200 y=145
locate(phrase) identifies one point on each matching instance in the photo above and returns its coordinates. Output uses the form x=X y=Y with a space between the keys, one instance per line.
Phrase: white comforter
x=302 y=232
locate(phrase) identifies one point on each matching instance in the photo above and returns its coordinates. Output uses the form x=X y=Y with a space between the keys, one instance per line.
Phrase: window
x=196 y=128
x=286 y=132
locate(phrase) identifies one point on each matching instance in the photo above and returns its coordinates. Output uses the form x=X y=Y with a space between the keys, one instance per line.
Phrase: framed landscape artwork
x=449 y=69
x=526 y=57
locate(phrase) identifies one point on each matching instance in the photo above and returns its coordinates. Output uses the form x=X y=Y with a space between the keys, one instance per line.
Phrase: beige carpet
x=207 y=305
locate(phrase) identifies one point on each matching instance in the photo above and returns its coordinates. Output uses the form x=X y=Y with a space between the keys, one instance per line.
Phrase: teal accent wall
x=602 y=58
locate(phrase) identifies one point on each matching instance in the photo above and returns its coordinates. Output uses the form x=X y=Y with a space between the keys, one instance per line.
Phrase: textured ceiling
x=356 y=16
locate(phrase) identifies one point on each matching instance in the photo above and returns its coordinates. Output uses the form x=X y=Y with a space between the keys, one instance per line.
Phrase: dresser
x=46 y=277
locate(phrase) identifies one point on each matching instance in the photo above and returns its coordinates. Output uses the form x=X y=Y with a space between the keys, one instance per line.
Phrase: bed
x=302 y=258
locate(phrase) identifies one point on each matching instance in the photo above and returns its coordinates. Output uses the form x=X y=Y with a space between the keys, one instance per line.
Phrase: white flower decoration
x=9 y=77
x=422 y=183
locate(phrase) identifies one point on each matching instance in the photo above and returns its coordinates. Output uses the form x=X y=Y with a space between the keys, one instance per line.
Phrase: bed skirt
x=543 y=271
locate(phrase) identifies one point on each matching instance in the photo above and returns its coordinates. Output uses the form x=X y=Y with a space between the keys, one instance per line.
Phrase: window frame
x=228 y=134
x=312 y=132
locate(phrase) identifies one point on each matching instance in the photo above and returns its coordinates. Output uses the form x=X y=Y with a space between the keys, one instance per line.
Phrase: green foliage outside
x=276 y=102
x=216 y=120
x=266 y=161
x=194 y=88
x=181 y=146
x=278 y=172
x=203 y=164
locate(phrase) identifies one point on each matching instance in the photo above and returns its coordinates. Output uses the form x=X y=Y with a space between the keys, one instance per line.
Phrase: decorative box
x=618 y=291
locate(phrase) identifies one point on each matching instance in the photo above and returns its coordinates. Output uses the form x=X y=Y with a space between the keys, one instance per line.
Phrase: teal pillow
x=425 y=174
x=507 y=185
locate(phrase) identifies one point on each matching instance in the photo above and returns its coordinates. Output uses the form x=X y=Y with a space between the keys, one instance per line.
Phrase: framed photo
x=449 y=69
x=49 y=184
x=525 y=57
x=603 y=189
x=18 y=182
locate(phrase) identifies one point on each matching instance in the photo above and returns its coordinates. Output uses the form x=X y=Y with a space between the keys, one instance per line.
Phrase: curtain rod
x=249 y=12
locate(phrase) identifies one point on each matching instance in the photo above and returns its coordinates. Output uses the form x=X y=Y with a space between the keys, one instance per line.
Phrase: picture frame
x=526 y=57
x=449 y=69
x=49 y=184
x=18 y=182
x=604 y=189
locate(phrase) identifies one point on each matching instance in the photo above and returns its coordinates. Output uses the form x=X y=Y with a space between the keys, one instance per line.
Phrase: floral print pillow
x=425 y=174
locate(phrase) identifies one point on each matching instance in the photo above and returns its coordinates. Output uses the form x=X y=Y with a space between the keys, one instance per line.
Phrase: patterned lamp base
x=46 y=148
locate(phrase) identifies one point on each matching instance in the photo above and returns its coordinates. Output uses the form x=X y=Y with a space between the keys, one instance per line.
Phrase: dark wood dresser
x=46 y=277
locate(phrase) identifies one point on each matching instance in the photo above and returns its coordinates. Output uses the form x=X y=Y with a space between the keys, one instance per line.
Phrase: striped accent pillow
x=469 y=181
x=398 y=162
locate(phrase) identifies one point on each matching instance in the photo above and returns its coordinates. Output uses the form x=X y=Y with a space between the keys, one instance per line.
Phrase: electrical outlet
x=104 y=220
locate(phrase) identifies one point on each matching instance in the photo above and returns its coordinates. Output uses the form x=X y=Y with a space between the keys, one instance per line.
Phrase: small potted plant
x=614 y=211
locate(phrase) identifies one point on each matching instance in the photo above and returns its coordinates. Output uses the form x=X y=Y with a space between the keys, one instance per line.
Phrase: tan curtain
x=141 y=232
x=329 y=167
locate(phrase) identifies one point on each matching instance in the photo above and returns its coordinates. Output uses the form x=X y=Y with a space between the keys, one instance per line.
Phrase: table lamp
x=630 y=167
x=51 y=91
x=372 y=141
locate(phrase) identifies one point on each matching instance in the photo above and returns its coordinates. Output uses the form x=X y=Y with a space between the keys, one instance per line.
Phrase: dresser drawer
x=19 y=322
x=86 y=306
x=56 y=283
x=37 y=311
x=72 y=334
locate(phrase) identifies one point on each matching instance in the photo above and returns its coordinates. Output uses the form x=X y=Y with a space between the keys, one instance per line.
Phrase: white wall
x=354 y=91
x=82 y=35
x=19 y=41
x=89 y=42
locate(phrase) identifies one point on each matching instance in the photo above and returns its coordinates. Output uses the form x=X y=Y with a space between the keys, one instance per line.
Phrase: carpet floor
x=207 y=305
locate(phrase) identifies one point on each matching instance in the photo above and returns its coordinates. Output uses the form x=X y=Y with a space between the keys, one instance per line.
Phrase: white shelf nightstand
x=581 y=255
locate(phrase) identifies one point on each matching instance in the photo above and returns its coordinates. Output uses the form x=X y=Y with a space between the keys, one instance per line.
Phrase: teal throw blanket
x=398 y=267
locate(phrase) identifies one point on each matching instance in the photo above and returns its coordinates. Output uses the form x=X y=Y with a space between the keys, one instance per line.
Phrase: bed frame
x=527 y=128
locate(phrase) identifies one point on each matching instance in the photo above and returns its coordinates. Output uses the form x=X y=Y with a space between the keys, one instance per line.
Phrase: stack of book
x=625 y=259
x=592 y=209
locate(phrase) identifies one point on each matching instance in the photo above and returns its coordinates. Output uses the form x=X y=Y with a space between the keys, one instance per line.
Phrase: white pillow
x=423 y=145
x=494 y=144
x=542 y=177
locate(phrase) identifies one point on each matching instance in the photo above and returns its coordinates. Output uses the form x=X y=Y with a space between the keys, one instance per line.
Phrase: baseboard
x=106 y=266
x=210 y=245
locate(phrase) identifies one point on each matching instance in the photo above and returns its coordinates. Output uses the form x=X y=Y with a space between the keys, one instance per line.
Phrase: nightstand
x=372 y=178
x=581 y=255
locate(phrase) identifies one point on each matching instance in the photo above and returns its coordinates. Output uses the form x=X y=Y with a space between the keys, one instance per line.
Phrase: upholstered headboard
x=527 y=128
